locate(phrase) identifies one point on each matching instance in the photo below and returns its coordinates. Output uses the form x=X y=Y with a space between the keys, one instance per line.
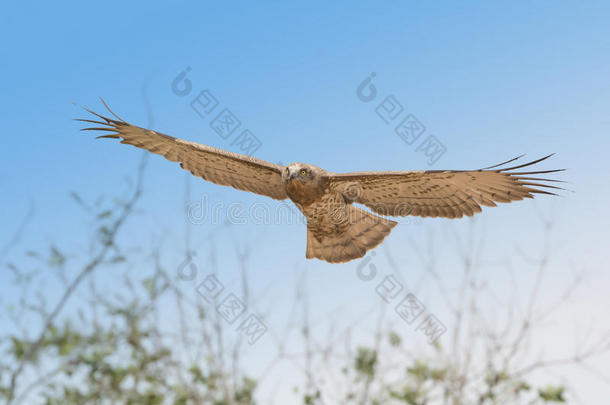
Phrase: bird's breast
x=303 y=192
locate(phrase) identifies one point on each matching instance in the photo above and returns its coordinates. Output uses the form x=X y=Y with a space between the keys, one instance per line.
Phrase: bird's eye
x=303 y=172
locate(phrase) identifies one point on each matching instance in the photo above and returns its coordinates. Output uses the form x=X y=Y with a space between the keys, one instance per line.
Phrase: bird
x=338 y=229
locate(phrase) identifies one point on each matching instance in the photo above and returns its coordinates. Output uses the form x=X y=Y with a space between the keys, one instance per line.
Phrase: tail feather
x=364 y=231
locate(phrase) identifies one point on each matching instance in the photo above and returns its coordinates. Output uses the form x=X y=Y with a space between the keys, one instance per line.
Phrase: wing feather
x=442 y=193
x=216 y=165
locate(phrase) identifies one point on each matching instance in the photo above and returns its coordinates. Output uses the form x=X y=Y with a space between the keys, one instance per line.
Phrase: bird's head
x=300 y=172
x=303 y=181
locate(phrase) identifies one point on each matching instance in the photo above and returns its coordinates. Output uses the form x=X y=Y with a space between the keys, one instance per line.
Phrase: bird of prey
x=337 y=230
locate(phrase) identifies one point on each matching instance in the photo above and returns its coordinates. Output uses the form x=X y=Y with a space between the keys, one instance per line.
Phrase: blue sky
x=490 y=80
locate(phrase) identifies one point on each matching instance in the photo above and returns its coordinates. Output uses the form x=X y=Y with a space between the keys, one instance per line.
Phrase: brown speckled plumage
x=338 y=231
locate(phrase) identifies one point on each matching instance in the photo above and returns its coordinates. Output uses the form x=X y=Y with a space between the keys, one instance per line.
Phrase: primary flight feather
x=338 y=231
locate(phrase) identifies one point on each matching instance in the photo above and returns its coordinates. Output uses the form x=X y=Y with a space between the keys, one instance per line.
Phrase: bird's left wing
x=441 y=193
x=216 y=165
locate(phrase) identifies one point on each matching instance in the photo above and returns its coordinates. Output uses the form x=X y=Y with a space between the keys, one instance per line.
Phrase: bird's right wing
x=216 y=165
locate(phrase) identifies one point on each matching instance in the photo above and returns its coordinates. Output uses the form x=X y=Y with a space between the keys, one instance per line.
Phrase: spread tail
x=361 y=232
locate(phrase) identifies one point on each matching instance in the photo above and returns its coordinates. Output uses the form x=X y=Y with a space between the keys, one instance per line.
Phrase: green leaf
x=149 y=285
x=56 y=258
x=104 y=214
x=394 y=339
x=552 y=394
x=65 y=348
x=366 y=359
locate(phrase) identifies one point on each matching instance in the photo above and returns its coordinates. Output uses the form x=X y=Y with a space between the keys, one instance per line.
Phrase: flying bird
x=337 y=230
